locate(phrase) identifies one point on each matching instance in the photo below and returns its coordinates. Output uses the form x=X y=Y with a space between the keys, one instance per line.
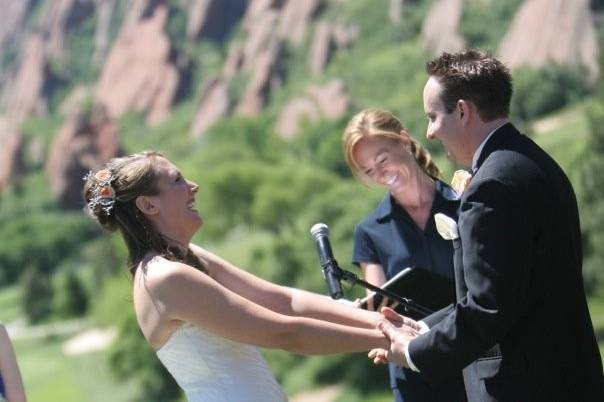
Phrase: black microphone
x=329 y=265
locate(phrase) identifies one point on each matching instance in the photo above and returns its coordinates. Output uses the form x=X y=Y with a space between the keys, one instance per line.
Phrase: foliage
x=132 y=358
x=593 y=184
x=51 y=375
x=37 y=295
x=71 y=296
x=484 y=23
x=39 y=240
x=541 y=91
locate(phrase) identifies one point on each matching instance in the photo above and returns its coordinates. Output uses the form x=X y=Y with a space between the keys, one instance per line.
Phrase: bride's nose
x=193 y=186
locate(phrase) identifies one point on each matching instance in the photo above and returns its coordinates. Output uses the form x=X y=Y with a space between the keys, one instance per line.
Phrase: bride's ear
x=145 y=205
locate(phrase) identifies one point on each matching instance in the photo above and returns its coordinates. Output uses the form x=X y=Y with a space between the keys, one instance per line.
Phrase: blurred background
x=249 y=98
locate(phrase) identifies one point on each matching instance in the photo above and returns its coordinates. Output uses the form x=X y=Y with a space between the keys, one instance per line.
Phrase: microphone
x=329 y=265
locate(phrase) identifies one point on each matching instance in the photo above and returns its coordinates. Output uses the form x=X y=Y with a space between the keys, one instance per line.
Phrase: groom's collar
x=478 y=154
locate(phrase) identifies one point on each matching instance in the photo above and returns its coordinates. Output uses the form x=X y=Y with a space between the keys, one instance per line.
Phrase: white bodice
x=210 y=368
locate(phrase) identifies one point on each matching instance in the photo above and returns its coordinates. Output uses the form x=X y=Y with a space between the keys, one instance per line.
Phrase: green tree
x=72 y=298
x=541 y=91
x=592 y=201
x=37 y=295
x=132 y=357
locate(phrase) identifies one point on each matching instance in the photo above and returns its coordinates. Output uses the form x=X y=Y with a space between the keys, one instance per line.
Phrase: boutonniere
x=460 y=181
x=446 y=226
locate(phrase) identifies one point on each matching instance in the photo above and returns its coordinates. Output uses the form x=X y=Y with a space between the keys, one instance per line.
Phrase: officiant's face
x=385 y=161
x=443 y=125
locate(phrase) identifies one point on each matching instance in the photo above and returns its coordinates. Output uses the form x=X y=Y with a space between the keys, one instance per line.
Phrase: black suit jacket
x=521 y=328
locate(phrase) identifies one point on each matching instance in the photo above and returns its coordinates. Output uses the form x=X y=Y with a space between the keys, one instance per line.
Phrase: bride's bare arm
x=189 y=295
x=281 y=299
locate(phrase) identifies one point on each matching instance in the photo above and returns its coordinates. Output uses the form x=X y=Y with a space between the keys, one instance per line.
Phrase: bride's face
x=176 y=213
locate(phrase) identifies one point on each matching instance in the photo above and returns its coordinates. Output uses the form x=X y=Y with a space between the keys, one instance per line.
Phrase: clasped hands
x=400 y=330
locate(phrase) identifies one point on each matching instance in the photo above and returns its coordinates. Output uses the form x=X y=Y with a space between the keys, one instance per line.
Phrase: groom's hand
x=400 y=320
x=400 y=331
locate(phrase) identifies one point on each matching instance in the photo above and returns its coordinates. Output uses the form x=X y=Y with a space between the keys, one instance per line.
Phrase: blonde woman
x=400 y=232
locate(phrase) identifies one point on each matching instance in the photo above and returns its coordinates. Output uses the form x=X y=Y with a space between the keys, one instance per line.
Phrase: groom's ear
x=464 y=109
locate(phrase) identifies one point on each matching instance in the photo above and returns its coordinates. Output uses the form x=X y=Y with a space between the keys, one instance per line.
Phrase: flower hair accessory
x=103 y=194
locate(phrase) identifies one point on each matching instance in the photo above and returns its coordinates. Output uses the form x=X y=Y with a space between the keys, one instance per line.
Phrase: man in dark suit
x=521 y=328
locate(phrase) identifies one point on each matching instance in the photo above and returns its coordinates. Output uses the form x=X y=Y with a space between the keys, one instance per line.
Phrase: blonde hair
x=381 y=123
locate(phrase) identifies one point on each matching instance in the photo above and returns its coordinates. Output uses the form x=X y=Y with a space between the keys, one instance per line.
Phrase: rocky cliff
x=139 y=56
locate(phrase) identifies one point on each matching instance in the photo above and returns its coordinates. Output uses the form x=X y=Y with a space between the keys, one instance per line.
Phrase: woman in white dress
x=199 y=312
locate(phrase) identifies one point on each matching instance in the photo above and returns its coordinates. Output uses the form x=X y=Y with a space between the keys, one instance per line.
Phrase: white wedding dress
x=210 y=368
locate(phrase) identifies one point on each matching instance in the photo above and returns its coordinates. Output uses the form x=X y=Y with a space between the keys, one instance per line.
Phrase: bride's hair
x=110 y=194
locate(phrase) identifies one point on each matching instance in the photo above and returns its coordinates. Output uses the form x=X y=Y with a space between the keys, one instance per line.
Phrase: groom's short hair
x=474 y=76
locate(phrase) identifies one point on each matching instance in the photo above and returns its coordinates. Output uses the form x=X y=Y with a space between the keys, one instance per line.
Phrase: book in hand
x=425 y=288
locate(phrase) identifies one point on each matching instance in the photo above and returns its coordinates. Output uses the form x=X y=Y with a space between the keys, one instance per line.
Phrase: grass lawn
x=49 y=375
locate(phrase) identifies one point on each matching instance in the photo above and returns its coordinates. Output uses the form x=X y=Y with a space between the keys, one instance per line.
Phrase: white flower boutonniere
x=446 y=226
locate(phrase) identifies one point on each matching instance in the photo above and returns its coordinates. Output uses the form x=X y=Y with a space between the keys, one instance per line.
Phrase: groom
x=521 y=328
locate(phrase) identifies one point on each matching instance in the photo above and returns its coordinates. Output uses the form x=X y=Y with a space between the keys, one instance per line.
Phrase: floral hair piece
x=103 y=194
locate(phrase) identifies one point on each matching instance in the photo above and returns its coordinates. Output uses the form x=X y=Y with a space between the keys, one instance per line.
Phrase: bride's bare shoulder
x=159 y=271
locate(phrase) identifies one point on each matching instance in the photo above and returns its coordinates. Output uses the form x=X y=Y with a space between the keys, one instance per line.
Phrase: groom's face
x=442 y=125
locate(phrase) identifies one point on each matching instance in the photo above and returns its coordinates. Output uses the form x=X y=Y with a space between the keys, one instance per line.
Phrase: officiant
x=400 y=232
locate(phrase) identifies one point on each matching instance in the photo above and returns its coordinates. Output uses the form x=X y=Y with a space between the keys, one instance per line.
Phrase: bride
x=199 y=312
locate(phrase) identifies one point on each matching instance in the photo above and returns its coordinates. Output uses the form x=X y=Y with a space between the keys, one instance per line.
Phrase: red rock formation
x=328 y=39
x=11 y=152
x=234 y=61
x=440 y=30
x=263 y=80
x=331 y=98
x=261 y=37
x=14 y=14
x=104 y=13
x=322 y=47
x=294 y=113
x=546 y=31
x=215 y=104
x=295 y=19
x=84 y=142
x=138 y=74
x=256 y=9
x=75 y=100
x=329 y=101
x=25 y=96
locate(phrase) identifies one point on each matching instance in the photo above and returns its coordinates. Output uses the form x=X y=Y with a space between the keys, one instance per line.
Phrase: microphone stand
x=408 y=304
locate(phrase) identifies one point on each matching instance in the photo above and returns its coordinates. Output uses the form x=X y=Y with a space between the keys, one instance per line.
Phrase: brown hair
x=475 y=76
x=381 y=123
x=132 y=176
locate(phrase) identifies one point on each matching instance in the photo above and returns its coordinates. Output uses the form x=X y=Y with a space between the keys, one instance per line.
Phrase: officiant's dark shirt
x=389 y=237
